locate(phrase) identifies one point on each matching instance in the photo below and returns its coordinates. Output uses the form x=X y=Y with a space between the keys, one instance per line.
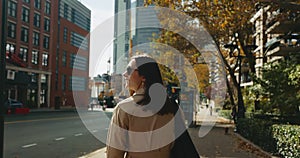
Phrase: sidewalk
x=217 y=143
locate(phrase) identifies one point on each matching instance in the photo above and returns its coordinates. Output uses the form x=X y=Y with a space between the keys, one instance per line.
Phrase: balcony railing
x=279 y=23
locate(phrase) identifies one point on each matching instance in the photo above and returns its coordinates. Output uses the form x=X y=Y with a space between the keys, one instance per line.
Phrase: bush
x=226 y=114
x=287 y=140
x=283 y=140
x=257 y=131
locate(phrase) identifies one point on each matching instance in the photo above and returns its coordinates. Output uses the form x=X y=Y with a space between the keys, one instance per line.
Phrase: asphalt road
x=54 y=134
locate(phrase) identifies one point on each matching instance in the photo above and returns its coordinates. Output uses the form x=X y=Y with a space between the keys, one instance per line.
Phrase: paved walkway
x=216 y=142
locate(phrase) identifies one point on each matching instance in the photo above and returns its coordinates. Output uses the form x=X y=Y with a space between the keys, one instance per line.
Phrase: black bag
x=183 y=145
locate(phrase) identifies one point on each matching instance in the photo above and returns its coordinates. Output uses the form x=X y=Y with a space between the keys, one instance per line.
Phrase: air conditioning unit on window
x=10 y=75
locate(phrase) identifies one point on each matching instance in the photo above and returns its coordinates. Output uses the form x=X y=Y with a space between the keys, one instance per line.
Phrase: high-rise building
x=46 y=42
x=121 y=35
x=143 y=33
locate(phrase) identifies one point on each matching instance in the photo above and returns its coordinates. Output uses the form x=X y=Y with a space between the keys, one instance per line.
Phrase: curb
x=101 y=153
x=255 y=146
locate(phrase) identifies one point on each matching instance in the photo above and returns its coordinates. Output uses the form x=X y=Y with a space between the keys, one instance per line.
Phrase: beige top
x=137 y=133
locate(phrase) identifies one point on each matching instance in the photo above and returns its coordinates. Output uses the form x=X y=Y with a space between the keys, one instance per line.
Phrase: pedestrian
x=140 y=126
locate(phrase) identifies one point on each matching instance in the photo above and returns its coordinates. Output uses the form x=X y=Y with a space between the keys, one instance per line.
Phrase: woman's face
x=132 y=78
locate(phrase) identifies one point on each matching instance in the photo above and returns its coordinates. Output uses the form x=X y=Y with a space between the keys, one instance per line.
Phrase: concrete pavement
x=216 y=143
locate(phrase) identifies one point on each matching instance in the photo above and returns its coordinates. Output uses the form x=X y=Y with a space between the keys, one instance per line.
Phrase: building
x=143 y=33
x=70 y=59
x=28 y=51
x=277 y=32
x=38 y=70
x=122 y=35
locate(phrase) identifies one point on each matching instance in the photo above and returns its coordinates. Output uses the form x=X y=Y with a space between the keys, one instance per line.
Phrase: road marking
x=78 y=134
x=58 y=139
x=94 y=131
x=29 y=145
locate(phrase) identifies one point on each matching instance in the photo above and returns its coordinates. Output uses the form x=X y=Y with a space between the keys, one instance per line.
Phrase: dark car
x=15 y=107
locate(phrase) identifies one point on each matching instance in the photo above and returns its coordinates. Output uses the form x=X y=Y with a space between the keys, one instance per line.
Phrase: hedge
x=287 y=140
x=257 y=131
x=281 y=140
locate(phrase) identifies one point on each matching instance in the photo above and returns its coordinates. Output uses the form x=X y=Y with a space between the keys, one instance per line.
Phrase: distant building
x=121 y=35
x=143 y=33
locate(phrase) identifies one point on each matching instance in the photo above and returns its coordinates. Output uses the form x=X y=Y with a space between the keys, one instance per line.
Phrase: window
x=12 y=9
x=37 y=4
x=36 y=20
x=34 y=77
x=78 y=62
x=46 y=24
x=66 y=11
x=45 y=59
x=43 y=78
x=25 y=14
x=47 y=8
x=64 y=59
x=36 y=39
x=79 y=41
x=26 y=1
x=73 y=15
x=77 y=83
x=46 y=42
x=35 y=57
x=65 y=34
x=11 y=30
x=24 y=34
x=10 y=48
x=23 y=54
x=63 y=82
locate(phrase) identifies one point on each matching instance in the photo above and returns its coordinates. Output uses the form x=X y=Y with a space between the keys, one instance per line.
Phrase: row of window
x=23 y=55
x=76 y=61
x=75 y=17
x=79 y=41
x=36 y=19
x=75 y=83
x=11 y=32
x=12 y=7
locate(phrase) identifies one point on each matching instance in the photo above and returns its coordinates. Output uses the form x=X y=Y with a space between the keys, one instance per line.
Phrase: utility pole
x=2 y=72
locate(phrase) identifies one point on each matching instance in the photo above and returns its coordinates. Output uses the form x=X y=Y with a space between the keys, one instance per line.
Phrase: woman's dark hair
x=149 y=68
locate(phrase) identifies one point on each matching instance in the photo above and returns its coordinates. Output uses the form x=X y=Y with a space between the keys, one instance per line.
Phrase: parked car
x=15 y=107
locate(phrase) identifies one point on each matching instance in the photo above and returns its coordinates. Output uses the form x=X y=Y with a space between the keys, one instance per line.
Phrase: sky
x=101 y=10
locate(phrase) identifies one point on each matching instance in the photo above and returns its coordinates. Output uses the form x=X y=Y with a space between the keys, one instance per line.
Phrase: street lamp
x=241 y=107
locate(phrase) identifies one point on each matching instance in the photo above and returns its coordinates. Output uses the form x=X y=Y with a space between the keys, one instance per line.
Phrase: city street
x=52 y=134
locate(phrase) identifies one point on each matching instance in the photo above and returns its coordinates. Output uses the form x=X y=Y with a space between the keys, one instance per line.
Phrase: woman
x=141 y=127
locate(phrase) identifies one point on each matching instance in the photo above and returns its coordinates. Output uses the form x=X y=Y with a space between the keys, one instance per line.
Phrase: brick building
x=35 y=69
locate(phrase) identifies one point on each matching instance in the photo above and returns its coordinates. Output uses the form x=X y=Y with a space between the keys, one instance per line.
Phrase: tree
x=280 y=83
x=222 y=19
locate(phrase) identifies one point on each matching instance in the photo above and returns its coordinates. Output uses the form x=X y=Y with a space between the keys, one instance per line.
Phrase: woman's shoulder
x=125 y=102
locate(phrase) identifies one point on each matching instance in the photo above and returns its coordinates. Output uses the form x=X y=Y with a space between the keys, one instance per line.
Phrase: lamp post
x=241 y=107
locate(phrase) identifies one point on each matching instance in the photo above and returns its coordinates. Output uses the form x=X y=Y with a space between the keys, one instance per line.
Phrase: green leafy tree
x=280 y=83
